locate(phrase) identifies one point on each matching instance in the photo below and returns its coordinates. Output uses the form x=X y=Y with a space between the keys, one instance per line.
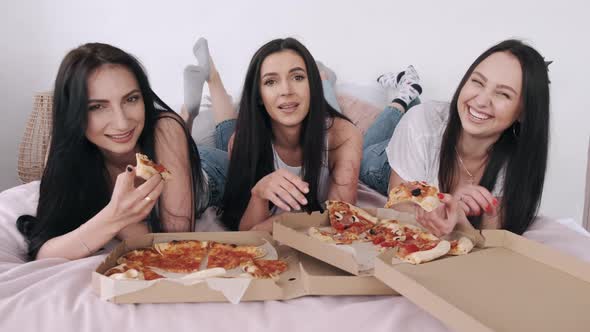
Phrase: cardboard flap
x=320 y=278
x=473 y=234
x=511 y=285
x=289 y=229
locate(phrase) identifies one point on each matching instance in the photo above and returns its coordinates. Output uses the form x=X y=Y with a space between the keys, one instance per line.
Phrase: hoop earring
x=516 y=129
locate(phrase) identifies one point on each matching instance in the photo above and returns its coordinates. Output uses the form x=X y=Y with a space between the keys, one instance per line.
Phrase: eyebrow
x=290 y=71
x=106 y=101
x=501 y=86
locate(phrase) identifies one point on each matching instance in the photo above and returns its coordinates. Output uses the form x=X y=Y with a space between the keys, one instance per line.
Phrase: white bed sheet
x=55 y=294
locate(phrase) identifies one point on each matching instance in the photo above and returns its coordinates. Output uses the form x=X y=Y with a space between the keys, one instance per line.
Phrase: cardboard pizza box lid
x=514 y=284
x=303 y=277
x=291 y=229
x=320 y=278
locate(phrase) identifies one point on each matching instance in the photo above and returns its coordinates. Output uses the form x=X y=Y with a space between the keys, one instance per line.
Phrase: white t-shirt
x=414 y=149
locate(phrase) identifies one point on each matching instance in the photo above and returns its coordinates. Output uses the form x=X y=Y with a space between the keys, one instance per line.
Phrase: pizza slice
x=175 y=256
x=333 y=236
x=416 y=192
x=264 y=269
x=347 y=217
x=229 y=256
x=146 y=168
x=420 y=246
x=388 y=233
x=182 y=256
x=141 y=256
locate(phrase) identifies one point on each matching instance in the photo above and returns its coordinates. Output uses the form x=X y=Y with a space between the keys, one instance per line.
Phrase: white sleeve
x=407 y=148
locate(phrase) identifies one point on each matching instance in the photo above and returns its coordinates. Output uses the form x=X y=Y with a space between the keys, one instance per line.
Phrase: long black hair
x=522 y=148
x=75 y=184
x=252 y=157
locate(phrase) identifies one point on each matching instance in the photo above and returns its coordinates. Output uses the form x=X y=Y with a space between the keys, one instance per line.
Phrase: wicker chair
x=32 y=149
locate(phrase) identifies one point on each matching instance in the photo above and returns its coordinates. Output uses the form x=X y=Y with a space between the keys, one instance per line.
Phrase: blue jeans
x=215 y=162
x=375 y=170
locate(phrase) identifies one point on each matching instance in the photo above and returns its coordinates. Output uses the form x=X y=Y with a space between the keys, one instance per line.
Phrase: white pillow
x=370 y=92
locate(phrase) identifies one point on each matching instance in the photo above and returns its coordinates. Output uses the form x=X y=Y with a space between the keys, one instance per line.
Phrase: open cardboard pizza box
x=291 y=229
x=514 y=284
x=305 y=276
x=507 y=283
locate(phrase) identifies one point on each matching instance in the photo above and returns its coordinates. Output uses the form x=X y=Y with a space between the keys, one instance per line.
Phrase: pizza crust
x=163 y=247
x=124 y=272
x=427 y=199
x=464 y=246
x=418 y=257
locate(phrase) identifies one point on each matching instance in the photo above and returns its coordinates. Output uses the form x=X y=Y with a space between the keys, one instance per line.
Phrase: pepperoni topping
x=409 y=248
x=378 y=239
x=159 y=168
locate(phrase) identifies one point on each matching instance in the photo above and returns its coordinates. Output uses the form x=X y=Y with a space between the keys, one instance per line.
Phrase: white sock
x=408 y=87
x=201 y=52
x=194 y=80
x=392 y=80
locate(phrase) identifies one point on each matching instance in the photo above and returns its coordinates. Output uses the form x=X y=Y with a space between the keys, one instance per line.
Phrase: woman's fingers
x=287 y=197
x=465 y=207
x=276 y=200
x=474 y=208
x=301 y=185
x=492 y=202
x=147 y=203
x=441 y=221
x=124 y=182
x=293 y=191
x=147 y=187
x=483 y=198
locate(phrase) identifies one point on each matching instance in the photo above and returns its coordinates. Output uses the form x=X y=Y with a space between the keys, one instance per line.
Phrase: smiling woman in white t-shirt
x=487 y=149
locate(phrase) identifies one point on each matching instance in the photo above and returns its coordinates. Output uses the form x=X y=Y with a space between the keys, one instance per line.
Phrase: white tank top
x=324 y=181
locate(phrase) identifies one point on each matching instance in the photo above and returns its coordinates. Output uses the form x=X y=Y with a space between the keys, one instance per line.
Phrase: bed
x=55 y=294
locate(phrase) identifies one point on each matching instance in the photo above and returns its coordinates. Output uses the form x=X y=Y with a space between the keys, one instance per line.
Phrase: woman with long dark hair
x=488 y=149
x=104 y=111
x=292 y=150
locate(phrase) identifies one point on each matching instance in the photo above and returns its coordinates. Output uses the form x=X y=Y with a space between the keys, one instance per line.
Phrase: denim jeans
x=215 y=162
x=375 y=170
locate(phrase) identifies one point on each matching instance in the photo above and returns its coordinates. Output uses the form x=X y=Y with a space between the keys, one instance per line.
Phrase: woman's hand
x=286 y=190
x=442 y=220
x=130 y=205
x=475 y=200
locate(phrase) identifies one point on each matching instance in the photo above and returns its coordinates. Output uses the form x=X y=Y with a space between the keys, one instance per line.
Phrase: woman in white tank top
x=292 y=151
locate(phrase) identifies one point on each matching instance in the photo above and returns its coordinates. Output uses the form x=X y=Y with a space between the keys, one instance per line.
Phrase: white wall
x=357 y=39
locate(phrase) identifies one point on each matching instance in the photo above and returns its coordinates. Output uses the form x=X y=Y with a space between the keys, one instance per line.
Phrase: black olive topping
x=416 y=192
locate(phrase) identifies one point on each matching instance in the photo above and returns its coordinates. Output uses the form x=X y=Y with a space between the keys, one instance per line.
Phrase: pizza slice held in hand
x=414 y=192
x=146 y=168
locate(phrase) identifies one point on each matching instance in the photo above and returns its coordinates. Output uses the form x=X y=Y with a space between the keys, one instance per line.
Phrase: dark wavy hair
x=252 y=156
x=522 y=148
x=75 y=183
